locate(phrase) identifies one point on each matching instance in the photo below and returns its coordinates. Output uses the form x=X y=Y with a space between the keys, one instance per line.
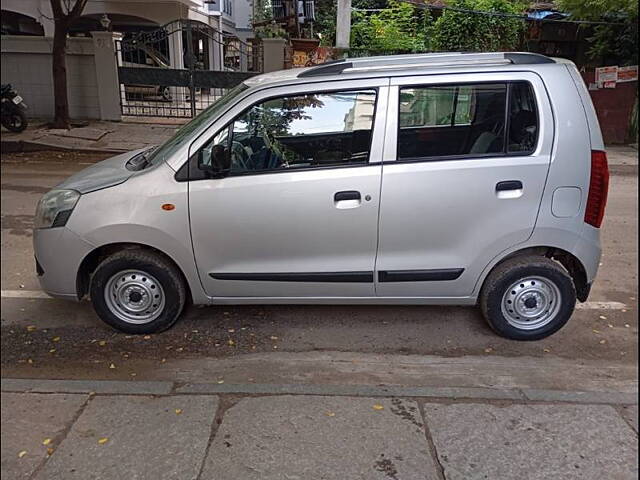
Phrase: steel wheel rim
x=531 y=303
x=134 y=296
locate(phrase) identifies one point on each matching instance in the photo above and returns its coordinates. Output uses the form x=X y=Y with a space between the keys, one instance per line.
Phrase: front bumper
x=59 y=253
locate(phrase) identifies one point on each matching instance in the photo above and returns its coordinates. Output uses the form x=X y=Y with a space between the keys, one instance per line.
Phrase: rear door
x=465 y=167
x=296 y=213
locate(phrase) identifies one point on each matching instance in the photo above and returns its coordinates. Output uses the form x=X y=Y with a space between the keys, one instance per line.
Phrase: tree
x=465 y=31
x=615 y=43
x=399 y=28
x=65 y=12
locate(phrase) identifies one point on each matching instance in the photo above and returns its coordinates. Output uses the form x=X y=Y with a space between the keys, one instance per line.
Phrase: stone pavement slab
x=630 y=414
x=146 y=438
x=27 y=421
x=315 y=437
x=527 y=442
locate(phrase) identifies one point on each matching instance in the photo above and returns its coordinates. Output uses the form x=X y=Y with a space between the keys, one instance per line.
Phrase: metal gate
x=181 y=68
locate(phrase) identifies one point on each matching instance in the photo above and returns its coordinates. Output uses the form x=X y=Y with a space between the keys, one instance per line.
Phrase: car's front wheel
x=137 y=291
x=528 y=298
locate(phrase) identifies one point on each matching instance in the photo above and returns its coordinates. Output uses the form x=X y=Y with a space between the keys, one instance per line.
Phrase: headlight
x=55 y=207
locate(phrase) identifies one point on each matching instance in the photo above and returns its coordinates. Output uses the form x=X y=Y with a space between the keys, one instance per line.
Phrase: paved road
x=86 y=348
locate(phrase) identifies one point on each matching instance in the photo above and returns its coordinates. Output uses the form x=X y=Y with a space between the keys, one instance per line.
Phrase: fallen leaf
x=162 y=360
x=31 y=328
x=602 y=317
x=231 y=342
x=178 y=411
x=231 y=330
x=488 y=350
x=133 y=374
x=330 y=414
x=52 y=350
x=603 y=341
x=22 y=453
x=55 y=339
x=102 y=343
x=103 y=440
x=609 y=325
x=273 y=337
x=46 y=441
x=595 y=331
x=378 y=407
x=147 y=337
x=49 y=451
x=546 y=350
x=221 y=381
x=112 y=366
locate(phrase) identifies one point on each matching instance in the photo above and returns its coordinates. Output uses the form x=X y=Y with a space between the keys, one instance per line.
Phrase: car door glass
x=303 y=131
x=523 y=118
x=451 y=120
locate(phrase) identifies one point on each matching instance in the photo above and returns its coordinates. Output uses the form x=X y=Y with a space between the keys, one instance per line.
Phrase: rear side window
x=467 y=120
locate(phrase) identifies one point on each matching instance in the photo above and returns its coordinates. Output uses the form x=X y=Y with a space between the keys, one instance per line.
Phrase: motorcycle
x=12 y=109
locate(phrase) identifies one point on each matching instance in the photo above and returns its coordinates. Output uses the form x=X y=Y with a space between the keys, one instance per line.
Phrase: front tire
x=137 y=291
x=528 y=298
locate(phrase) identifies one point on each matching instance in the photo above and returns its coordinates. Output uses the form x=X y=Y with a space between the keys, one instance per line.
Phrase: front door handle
x=508 y=185
x=346 y=199
x=346 y=195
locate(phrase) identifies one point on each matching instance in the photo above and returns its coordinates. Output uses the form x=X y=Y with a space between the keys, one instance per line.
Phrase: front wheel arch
x=93 y=259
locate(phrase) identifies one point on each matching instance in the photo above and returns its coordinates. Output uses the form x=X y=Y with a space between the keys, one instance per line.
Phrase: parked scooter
x=12 y=109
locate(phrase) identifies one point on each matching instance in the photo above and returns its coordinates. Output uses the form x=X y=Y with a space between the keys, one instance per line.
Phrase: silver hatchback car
x=455 y=179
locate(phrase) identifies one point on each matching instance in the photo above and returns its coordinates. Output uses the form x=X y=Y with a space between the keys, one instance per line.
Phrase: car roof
x=403 y=65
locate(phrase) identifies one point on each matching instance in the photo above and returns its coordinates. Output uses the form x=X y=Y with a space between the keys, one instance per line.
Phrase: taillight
x=598 y=189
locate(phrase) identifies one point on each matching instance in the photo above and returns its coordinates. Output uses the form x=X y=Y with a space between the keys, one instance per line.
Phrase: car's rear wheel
x=137 y=291
x=528 y=298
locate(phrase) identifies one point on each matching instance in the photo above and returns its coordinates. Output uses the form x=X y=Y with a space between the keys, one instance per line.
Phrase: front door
x=463 y=181
x=293 y=209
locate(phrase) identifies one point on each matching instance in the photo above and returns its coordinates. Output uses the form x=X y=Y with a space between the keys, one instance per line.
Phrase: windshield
x=185 y=132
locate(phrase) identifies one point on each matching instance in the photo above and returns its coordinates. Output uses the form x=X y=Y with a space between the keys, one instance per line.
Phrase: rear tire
x=138 y=291
x=16 y=121
x=527 y=298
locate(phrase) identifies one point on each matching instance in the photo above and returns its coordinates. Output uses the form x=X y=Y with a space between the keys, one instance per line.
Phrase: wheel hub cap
x=531 y=303
x=134 y=296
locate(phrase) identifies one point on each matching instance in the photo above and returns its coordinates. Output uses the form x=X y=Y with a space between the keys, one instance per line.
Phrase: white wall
x=26 y=64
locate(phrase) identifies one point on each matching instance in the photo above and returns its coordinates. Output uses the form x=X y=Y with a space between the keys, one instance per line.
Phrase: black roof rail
x=519 y=58
x=328 y=68
x=335 y=67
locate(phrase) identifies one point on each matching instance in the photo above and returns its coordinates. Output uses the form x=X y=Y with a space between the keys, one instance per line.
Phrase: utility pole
x=343 y=24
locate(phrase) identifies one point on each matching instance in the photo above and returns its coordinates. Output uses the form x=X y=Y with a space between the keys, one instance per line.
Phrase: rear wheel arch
x=93 y=259
x=570 y=262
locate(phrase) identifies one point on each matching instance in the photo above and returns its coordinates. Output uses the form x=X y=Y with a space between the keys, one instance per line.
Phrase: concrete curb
x=117 y=387
x=20 y=146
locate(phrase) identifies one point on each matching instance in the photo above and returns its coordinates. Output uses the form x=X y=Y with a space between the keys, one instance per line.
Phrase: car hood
x=107 y=173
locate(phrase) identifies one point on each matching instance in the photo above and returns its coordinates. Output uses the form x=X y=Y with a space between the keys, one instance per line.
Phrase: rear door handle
x=508 y=185
x=346 y=195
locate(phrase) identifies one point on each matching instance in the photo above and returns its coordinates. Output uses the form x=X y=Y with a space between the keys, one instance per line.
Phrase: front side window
x=466 y=120
x=302 y=131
